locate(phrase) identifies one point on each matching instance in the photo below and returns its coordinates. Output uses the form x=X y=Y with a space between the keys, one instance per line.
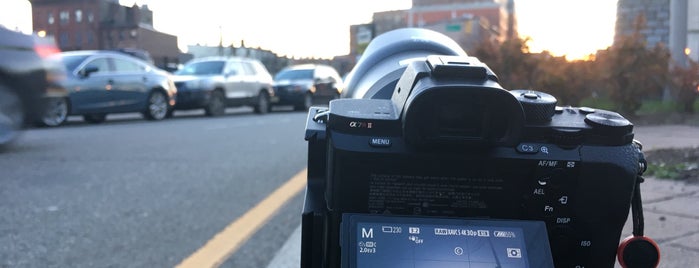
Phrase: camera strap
x=636 y=201
x=637 y=208
x=637 y=250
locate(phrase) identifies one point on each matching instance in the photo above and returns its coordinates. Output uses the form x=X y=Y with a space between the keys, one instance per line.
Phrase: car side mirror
x=84 y=73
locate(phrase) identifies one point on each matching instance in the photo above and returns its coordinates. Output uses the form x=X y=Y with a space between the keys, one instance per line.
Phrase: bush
x=658 y=107
x=598 y=103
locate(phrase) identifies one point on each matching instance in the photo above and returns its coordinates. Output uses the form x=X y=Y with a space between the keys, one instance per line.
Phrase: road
x=134 y=193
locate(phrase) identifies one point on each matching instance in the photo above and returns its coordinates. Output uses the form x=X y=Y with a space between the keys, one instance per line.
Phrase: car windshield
x=294 y=74
x=71 y=62
x=202 y=68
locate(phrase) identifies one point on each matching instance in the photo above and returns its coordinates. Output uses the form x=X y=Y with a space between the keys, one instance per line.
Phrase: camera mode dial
x=538 y=107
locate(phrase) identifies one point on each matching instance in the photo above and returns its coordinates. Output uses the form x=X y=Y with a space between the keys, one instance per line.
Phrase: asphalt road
x=135 y=193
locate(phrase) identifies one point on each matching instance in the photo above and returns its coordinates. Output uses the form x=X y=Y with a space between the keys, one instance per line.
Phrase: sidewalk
x=667 y=136
x=671 y=208
x=672 y=219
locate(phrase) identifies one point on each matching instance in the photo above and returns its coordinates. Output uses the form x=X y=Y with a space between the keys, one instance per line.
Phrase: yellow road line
x=225 y=243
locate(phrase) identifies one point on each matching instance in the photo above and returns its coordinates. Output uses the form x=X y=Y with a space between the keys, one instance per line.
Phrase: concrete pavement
x=671 y=208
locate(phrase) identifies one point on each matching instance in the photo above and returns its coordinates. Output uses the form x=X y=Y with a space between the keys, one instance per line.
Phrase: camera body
x=452 y=143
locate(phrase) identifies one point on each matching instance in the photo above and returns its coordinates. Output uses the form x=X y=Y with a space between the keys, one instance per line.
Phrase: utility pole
x=220 y=40
x=678 y=38
x=678 y=31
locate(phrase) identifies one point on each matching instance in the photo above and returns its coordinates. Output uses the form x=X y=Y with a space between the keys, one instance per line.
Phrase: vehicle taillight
x=45 y=51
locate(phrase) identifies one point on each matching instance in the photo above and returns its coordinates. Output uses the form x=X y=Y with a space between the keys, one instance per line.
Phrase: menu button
x=380 y=142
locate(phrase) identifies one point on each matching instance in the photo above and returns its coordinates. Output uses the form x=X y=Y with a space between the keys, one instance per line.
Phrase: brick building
x=655 y=12
x=468 y=22
x=498 y=13
x=103 y=24
x=673 y=23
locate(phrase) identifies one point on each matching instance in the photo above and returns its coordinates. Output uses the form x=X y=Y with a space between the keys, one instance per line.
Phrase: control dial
x=538 y=107
x=609 y=123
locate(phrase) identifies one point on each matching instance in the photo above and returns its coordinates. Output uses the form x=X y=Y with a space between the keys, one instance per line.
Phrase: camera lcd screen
x=370 y=240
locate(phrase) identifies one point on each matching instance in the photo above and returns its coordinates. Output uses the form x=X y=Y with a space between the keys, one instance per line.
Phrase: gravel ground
x=674 y=163
x=666 y=155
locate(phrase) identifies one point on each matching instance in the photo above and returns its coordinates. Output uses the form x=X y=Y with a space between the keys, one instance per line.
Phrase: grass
x=658 y=107
x=676 y=171
x=598 y=103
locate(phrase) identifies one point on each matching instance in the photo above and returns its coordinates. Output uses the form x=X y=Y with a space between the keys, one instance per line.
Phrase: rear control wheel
x=216 y=106
x=56 y=112
x=95 y=118
x=262 y=106
x=157 y=106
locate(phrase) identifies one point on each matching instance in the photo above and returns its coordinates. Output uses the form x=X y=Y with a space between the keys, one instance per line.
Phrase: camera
x=428 y=162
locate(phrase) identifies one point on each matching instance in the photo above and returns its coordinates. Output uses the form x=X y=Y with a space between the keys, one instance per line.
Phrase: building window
x=90 y=17
x=78 y=39
x=63 y=40
x=51 y=19
x=64 y=17
x=78 y=16
x=90 y=38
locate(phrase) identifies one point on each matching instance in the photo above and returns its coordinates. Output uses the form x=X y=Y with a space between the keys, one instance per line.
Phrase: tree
x=516 y=68
x=685 y=85
x=569 y=82
x=634 y=72
x=510 y=61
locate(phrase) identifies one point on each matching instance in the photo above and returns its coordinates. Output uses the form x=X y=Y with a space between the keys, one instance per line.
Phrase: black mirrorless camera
x=429 y=162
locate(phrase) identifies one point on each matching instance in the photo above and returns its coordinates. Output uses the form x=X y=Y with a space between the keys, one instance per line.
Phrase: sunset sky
x=320 y=28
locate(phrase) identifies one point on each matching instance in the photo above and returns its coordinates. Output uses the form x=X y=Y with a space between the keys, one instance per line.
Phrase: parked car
x=214 y=83
x=138 y=53
x=27 y=83
x=107 y=82
x=306 y=84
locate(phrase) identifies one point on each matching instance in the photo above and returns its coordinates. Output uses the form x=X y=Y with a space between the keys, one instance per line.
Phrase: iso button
x=527 y=148
x=380 y=142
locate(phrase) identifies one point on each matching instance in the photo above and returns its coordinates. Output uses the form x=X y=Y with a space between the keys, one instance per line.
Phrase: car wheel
x=56 y=112
x=11 y=115
x=95 y=118
x=216 y=105
x=262 y=106
x=157 y=106
x=306 y=103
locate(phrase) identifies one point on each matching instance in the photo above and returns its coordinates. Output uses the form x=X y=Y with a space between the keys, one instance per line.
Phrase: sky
x=320 y=28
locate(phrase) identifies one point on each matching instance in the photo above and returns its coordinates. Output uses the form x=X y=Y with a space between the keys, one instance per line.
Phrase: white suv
x=214 y=83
